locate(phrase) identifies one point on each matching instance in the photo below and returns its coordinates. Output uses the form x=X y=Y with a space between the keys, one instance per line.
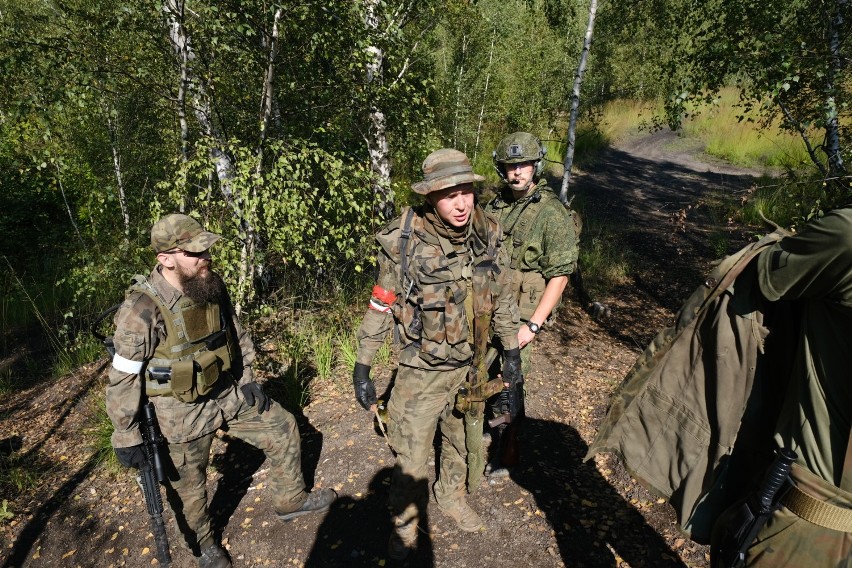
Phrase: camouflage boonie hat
x=178 y=231
x=445 y=168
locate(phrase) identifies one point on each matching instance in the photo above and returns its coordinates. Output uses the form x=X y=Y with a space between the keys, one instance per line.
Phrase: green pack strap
x=404 y=236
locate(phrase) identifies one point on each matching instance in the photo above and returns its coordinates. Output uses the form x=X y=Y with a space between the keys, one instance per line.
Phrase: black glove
x=134 y=456
x=253 y=392
x=512 y=367
x=365 y=390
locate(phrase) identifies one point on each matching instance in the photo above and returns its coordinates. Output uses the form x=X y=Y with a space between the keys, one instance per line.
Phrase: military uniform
x=538 y=233
x=189 y=426
x=436 y=352
x=436 y=286
x=193 y=361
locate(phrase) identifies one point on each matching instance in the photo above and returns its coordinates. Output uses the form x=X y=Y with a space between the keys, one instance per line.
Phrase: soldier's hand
x=365 y=390
x=253 y=393
x=511 y=367
x=134 y=456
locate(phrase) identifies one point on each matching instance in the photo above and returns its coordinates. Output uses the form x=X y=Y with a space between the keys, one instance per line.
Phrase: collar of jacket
x=478 y=234
x=169 y=294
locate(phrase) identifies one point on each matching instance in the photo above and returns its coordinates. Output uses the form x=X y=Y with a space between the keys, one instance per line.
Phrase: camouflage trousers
x=275 y=432
x=421 y=402
x=790 y=541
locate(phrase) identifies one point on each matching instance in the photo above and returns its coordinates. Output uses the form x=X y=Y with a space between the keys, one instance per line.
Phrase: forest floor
x=649 y=195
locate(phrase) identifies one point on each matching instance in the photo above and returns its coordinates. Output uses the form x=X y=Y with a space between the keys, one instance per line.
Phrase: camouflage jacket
x=540 y=238
x=139 y=328
x=431 y=309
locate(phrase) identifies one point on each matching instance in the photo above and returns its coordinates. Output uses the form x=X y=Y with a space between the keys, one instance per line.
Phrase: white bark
x=202 y=109
x=119 y=179
x=832 y=126
x=484 y=96
x=458 y=92
x=575 y=103
x=377 y=142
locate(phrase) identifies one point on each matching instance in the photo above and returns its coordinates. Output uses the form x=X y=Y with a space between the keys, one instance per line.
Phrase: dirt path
x=555 y=511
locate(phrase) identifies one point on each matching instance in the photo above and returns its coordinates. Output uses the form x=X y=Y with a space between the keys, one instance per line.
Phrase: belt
x=817 y=512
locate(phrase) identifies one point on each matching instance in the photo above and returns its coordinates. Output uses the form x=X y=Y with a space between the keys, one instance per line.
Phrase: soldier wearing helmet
x=439 y=264
x=538 y=235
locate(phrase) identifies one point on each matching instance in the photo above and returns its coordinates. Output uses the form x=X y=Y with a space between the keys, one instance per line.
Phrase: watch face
x=533 y=327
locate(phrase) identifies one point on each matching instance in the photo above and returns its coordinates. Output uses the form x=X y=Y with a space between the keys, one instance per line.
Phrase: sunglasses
x=186 y=253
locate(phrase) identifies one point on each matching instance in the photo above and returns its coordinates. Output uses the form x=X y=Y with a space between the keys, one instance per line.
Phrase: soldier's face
x=453 y=204
x=188 y=265
x=520 y=175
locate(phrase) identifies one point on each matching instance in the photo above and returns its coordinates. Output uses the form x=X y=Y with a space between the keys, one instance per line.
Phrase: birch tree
x=575 y=102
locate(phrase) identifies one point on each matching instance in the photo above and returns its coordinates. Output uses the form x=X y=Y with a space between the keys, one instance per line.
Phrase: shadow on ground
x=592 y=521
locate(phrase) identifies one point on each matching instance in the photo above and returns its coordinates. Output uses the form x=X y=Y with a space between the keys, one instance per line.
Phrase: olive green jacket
x=674 y=420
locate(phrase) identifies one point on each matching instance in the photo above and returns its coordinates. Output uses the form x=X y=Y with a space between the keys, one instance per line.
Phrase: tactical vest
x=197 y=350
x=442 y=294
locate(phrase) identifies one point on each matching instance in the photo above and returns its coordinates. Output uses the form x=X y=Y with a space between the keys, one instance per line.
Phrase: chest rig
x=197 y=349
x=446 y=289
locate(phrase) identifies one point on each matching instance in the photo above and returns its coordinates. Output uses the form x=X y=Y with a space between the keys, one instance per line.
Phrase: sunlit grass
x=742 y=142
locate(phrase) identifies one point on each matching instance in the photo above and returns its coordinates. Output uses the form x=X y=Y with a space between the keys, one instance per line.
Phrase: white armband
x=126 y=365
x=374 y=305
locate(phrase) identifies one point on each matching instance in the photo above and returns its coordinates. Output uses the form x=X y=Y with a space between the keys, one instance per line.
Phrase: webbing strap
x=817 y=512
x=404 y=235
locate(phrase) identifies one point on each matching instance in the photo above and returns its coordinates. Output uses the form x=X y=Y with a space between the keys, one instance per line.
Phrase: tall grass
x=742 y=142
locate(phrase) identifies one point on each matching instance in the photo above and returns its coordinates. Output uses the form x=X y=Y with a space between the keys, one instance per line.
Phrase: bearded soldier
x=539 y=236
x=442 y=275
x=179 y=343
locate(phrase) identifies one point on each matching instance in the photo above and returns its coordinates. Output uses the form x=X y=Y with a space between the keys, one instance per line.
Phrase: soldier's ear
x=167 y=260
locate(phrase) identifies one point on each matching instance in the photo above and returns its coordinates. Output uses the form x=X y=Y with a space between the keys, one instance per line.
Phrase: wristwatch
x=534 y=327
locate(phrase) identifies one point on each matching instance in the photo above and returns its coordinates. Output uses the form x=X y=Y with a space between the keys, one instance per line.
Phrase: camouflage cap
x=177 y=231
x=445 y=168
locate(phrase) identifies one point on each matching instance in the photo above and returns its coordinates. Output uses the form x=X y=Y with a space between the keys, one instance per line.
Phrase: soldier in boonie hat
x=445 y=168
x=178 y=231
x=446 y=254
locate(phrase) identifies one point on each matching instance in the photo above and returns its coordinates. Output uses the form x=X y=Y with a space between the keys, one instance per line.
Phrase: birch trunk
x=119 y=179
x=575 y=103
x=832 y=125
x=377 y=142
x=484 y=96
x=201 y=104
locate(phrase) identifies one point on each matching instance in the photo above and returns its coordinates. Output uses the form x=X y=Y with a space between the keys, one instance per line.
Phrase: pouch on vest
x=531 y=286
x=195 y=377
x=183 y=380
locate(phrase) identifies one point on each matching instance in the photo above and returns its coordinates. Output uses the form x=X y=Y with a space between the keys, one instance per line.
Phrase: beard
x=203 y=289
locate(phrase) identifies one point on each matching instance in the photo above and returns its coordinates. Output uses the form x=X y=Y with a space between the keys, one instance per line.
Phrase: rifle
x=152 y=472
x=741 y=523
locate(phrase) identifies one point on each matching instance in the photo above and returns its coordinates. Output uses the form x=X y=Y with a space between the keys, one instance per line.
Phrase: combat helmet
x=516 y=148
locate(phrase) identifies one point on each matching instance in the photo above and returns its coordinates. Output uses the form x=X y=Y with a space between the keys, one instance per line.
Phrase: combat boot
x=463 y=514
x=318 y=501
x=213 y=557
x=403 y=538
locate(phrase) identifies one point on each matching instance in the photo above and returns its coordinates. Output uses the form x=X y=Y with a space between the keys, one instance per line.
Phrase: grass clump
x=604 y=262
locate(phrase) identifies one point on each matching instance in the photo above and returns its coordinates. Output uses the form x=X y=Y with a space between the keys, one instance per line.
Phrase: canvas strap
x=816 y=510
